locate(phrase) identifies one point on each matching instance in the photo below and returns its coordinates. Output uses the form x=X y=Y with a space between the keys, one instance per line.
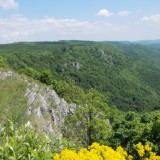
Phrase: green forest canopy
x=128 y=73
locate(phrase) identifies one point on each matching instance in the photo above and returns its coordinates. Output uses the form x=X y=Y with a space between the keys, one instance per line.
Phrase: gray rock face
x=6 y=74
x=46 y=107
x=48 y=127
x=37 y=112
x=106 y=56
x=76 y=65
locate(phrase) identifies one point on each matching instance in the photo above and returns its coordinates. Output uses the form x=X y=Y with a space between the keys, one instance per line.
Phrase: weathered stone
x=6 y=74
x=37 y=112
x=44 y=101
x=48 y=127
x=29 y=111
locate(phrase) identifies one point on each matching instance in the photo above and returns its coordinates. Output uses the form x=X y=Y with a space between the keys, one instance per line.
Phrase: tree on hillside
x=89 y=123
x=46 y=77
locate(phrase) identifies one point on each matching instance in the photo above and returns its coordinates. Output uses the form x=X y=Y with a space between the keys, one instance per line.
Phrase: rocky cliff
x=46 y=111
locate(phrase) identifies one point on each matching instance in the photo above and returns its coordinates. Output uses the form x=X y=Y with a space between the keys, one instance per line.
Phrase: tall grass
x=13 y=103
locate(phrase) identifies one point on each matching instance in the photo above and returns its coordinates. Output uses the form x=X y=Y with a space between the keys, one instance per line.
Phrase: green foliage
x=69 y=91
x=127 y=73
x=30 y=72
x=46 y=77
x=3 y=63
x=132 y=128
x=26 y=144
x=89 y=123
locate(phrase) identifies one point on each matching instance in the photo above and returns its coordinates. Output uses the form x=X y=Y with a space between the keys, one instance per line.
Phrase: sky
x=96 y=20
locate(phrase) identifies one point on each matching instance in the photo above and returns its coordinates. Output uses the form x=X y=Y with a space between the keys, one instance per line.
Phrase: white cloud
x=123 y=13
x=153 y=18
x=7 y=4
x=104 y=13
x=20 y=28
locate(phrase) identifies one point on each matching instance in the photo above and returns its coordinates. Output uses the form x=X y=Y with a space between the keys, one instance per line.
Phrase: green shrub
x=3 y=62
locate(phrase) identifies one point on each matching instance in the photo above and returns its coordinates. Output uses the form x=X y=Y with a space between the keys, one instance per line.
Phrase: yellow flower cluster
x=140 y=149
x=147 y=147
x=144 y=150
x=94 y=152
x=101 y=152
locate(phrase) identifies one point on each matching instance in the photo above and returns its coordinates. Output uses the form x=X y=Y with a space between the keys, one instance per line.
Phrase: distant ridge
x=148 y=42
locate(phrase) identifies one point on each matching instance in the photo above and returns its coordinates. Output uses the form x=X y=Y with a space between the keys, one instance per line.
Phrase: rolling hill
x=125 y=72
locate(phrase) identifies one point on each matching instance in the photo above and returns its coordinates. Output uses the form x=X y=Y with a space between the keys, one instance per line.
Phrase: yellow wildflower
x=141 y=149
x=147 y=147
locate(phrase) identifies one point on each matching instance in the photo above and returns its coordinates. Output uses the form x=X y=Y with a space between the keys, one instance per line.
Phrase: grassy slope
x=13 y=104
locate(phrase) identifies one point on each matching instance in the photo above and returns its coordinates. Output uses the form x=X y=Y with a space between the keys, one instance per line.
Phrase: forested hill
x=127 y=73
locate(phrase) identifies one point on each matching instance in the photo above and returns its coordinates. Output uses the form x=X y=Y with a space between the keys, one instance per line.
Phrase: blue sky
x=51 y=20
